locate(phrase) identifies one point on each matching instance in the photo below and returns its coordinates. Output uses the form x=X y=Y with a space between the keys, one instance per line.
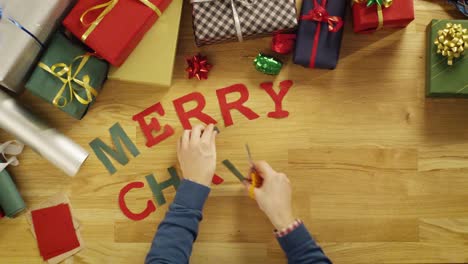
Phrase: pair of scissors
x=255 y=179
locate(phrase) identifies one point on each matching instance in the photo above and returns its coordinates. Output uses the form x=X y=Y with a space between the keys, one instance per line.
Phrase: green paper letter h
x=157 y=188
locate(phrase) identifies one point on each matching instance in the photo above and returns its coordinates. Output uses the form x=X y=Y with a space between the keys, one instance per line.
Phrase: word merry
x=155 y=133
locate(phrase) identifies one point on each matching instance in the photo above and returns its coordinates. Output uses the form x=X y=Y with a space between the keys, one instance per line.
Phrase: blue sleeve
x=300 y=248
x=177 y=232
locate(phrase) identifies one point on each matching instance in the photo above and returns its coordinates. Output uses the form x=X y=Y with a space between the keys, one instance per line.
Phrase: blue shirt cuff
x=192 y=195
x=296 y=238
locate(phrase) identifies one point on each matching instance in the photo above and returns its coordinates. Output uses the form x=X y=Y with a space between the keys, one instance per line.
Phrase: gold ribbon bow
x=452 y=41
x=379 y=3
x=66 y=74
x=108 y=6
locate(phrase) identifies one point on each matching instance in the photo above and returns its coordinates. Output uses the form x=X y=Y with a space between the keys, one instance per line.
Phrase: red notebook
x=54 y=230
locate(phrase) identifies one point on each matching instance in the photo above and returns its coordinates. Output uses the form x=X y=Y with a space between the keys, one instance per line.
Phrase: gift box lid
x=152 y=62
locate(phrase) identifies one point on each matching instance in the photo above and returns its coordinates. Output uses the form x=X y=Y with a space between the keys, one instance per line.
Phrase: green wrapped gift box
x=68 y=77
x=444 y=80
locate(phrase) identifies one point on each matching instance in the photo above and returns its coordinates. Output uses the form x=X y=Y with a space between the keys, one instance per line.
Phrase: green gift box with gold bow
x=447 y=58
x=68 y=76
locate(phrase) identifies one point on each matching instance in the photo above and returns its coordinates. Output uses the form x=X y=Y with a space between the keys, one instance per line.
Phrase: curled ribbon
x=320 y=14
x=452 y=41
x=235 y=14
x=108 y=6
x=17 y=24
x=67 y=76
x=283 y=43
x=379 y=3
x=12 y=149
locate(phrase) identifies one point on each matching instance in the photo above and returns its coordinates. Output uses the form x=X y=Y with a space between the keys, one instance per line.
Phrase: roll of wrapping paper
x=48 y=142
x=10 y=199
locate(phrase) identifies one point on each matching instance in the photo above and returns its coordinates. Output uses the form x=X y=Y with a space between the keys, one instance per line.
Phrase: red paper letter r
x=238 y=105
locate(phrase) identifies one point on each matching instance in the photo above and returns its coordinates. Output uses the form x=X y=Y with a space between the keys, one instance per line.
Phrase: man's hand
x=274 y=196
x=196 y=151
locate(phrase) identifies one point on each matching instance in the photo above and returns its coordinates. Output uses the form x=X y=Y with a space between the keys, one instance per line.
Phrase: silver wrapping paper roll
x=48 y=142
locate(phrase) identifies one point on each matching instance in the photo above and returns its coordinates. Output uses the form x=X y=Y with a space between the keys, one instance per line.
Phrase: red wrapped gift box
x=119 y=31
x=398 y=15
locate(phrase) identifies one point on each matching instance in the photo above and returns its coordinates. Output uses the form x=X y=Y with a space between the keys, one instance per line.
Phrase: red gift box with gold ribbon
x=372 y=15
x=113 y=28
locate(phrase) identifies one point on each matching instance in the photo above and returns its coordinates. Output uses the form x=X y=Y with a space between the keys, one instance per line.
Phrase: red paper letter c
x=150 y=207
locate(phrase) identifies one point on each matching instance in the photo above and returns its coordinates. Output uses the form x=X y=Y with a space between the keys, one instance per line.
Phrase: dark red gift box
x=398 y=15
x=119 y=31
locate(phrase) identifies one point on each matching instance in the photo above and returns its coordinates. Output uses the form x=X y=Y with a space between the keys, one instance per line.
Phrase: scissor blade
x=249 y=155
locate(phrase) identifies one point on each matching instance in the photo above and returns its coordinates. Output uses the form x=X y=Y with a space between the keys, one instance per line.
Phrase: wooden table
x=379 y=172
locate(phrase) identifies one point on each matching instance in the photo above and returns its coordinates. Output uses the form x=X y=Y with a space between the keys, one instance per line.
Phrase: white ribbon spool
x=12 y=149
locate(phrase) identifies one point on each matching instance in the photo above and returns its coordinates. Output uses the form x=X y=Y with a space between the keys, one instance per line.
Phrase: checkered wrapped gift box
x=217 y=21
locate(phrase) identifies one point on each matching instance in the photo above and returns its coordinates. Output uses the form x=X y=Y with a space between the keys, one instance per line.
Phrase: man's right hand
x=274 y=196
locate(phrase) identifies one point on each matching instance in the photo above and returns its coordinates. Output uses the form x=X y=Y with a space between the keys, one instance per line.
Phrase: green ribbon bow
x=385 y=3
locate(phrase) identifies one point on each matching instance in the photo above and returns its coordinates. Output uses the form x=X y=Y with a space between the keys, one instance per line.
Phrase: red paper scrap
x=217 y=180
x=54 y=230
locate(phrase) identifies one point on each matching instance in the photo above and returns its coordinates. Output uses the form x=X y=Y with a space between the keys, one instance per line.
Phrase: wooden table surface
x=380 y=174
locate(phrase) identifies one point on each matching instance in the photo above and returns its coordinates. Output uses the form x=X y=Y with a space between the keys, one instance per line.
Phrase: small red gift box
x=366 y=18
x=113 y=28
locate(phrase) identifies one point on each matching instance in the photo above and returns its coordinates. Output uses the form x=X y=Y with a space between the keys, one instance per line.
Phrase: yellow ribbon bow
x=452 y=41
x=379 y=3
x=66 y=74
x=108 y=6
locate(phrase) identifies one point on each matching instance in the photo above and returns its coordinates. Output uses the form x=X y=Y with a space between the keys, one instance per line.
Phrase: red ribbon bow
x=320 y=14
x=283 y=43
x=198 y=66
